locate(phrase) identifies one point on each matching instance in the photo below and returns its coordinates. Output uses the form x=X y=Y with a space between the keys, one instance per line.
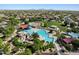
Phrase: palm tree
x=1 y=43
x=7 y=48
x=35 y=35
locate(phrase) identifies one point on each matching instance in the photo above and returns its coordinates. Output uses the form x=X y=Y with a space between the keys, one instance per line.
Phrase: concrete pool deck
x=43 y=34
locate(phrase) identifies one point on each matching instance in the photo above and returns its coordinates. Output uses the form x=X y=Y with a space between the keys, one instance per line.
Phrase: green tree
x=72 y=25
x=37 y=44
x=76 y=30
x=13 y=21
x=26 y=52
x=61 y=36
x=9 y=30
x=45 y=24
x=1 y=43
x=6 y=48
x=67 y=46
x=17 y=42
x=75 y=43
x=51 y=45
x=35 y=35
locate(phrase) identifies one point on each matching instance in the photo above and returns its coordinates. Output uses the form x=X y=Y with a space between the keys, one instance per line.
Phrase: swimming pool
x=29 y=31
x=45 y=35
x=40 y=32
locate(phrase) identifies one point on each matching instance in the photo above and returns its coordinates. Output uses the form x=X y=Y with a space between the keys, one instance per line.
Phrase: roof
x=23 y=26
x=74 y=35
x=67 y=40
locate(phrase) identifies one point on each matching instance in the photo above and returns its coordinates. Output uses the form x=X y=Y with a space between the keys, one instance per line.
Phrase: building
x=67 y=40
x=35 y=24
x=24 y=26
x=68 y=20
x=54 y=28
x=24 y=36
x=74 y=35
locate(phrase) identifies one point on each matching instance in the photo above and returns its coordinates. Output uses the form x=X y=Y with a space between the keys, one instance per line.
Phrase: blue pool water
x=45 y=35
x=29 y=31
x=74 y=35
x=40 y=32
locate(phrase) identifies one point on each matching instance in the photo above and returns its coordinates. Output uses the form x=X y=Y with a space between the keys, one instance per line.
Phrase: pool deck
x=43 y=34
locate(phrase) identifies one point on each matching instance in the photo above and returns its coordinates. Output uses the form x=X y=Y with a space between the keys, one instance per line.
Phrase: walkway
x=57 y=48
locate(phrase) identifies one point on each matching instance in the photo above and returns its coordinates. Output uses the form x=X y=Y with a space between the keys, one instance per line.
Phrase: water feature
x=45 y=35
x=40 y=32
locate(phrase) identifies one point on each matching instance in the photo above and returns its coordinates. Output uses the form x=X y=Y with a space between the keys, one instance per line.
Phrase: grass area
x=54 y=23
x=63 y=28
x=58 y=24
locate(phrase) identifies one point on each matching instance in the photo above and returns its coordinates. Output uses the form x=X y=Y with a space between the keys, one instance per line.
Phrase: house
x=56 y=17
x=35 y=24
x=67 y=40
x=24 y=26
x=24 y=36
x=54 y=28
x=68 y=20
x=74 y=35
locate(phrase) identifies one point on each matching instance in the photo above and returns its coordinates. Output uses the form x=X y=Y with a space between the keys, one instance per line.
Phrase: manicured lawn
x=54 y=23
x=58 y=24
x=62 y=28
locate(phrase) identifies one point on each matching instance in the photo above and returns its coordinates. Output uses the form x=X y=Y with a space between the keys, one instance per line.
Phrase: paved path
x=57 y=48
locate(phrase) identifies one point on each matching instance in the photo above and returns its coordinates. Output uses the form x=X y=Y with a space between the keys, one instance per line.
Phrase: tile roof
x=23 y=26
x=67 y=40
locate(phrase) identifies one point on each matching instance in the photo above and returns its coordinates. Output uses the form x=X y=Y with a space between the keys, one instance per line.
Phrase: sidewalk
x=57 y=48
